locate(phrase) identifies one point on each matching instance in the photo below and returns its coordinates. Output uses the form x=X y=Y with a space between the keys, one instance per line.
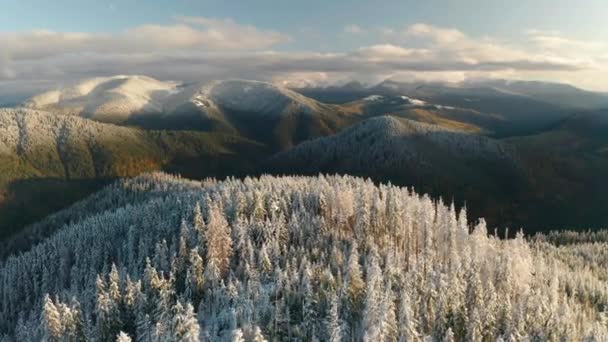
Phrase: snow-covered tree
x=290 y=260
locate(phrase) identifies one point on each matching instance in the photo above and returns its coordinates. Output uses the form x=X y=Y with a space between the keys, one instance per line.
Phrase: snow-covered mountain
x=391 y=141
x=118 y=99
x=107 y=99
x=271 y=114
x=242 y=96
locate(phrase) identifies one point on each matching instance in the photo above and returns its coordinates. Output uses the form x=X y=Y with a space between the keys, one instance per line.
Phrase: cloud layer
x=197 y=48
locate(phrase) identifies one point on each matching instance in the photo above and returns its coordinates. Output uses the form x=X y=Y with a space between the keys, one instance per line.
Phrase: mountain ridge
x=42 y=153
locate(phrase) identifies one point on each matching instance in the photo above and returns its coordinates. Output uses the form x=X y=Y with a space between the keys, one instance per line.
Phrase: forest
x=325 y=258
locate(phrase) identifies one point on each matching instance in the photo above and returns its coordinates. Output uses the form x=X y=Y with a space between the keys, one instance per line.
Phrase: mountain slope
x=568 y=164
x=42 y=154
x=516 y=108
x=296 y=258
x=445 y=162
x=563 y=95
x=422 y=111
x=269 y=114
x=106 y=99
x=273 y=115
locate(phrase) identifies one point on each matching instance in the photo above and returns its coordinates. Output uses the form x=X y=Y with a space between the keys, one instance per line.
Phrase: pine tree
x=257 y=335
x=449 y=336
x=237 y=336
x=408 y=330
x=145 y=328
x=333 y=322
x=219 y=241
x=122 y=337
x=372 y=321
x=200 y=227
x=355 y=290
x=309 y=302
x=185 y=326
x=388 y=319
x=195 y=277
x=53 y=326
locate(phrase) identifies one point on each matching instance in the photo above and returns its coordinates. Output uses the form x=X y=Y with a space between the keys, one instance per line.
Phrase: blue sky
x=312 y=41
x=582 y=19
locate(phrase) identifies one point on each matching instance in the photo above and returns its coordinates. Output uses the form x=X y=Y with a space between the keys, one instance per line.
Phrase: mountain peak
x=109 y=99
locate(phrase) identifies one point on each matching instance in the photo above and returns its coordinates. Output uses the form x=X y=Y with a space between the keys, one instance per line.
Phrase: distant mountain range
x=517 y=153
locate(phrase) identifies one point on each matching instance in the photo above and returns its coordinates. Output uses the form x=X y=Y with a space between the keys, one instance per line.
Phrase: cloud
x=386 y=31
x=384 y=51
x=353 y=29
x=6 y=71
x=437 y=34
x=187 y=33
x=558 y=44
x=198 y=49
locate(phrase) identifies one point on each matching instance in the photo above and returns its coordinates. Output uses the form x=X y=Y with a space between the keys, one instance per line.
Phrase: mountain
x=554 y=153
x=43 y=154
x=515 y=107
x=567 y=166
x=295 y=258
x=422 y=111
x=482 y=171
x=106 y=99
x=348 y=92
x=267 y=113
x=264 y=112
x=563 y=95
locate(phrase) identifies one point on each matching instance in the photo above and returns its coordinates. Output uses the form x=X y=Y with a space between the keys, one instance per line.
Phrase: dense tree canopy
x=295 y=258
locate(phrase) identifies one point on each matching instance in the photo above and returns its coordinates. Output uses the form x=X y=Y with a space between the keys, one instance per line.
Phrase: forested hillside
x=295 y=258
x=43 y=154
x=504 y=149
x=448 y=163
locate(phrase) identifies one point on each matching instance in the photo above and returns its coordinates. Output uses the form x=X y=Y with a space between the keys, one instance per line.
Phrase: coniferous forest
x=326 y=258
x=315 y=171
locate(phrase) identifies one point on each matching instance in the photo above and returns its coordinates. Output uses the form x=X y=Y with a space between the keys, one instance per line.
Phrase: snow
x=112 y=99
x=240 y=95
x=445 y=107
x=372 y=98
x=251 y=96
x=115 y=99
x=414 y=102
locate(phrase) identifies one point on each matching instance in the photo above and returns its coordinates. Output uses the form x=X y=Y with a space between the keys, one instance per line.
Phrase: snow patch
x=373 y=98
x=412 y=101
x=445 y=107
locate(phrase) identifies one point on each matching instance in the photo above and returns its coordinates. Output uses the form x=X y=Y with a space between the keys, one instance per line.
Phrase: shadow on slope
x=29 y=200
x=483 y=173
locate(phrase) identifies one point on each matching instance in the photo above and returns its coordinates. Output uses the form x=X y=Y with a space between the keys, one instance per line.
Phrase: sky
x=45 y=43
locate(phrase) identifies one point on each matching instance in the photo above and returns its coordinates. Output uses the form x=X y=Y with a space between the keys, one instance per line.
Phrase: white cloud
x=5 y=68
x=196 y=48
x=389 y=51
x=558 y=44
x=187 y=33
x=354 y=29
x=437 y=34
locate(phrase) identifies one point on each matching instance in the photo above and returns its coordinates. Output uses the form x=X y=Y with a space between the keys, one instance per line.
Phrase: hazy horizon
x=294 y=44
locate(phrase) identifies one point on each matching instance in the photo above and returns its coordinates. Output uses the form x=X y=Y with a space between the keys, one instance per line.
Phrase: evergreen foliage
x=295 y=258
